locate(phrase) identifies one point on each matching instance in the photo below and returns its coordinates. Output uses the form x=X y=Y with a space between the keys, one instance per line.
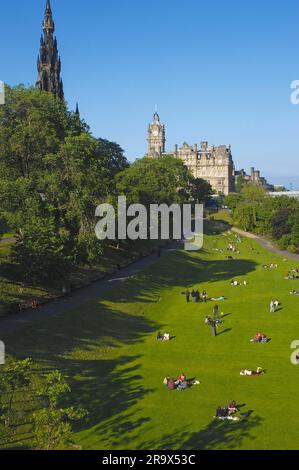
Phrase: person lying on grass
x=294 y=292
x=259 y=338
x=258 y=371
x=164 y=337
x=216 y=299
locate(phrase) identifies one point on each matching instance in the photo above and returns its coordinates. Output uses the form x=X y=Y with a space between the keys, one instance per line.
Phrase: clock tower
x=156 y=137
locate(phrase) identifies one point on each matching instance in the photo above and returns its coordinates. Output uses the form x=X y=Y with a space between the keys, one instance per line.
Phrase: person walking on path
x=188 y=295
x=272 y=307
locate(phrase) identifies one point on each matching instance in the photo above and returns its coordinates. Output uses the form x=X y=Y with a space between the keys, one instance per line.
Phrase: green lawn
x=116 y=368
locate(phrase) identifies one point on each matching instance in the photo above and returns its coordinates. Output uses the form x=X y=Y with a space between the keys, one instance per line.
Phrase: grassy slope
x=108 y=350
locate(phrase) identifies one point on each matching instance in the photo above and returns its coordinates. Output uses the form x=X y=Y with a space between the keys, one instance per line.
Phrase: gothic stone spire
x=49 y=64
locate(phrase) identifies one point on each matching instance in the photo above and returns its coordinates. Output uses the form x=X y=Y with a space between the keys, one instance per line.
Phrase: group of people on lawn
x=292 y=274
x=196 y=296
x=181 y=383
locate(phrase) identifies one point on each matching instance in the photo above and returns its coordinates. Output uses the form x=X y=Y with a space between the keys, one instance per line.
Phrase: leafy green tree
x=39 y=250
x=15 y=376
x=232 y=200
x=240 y=183
x=253 y=193
x=280 y=223
x=200 y=190
x=52 y=423
x=53 y=175
x=32 y=125
x=112 y=157
x=294 y=222
x=163 y=180
x=244 y=217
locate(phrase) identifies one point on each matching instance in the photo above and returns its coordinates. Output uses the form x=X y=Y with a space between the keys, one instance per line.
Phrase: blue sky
x=218 y=71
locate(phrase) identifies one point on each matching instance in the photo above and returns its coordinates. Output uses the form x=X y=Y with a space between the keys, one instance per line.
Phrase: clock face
x=155 y=133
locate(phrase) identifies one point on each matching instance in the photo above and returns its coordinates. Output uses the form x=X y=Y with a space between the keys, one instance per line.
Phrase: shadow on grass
x=181 y=267
x=84 y=346
x=216 y=435
x=227 y=330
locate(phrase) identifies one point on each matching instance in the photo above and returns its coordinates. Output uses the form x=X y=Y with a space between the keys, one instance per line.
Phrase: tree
x=240 y=183
x=294 y=222
x=232 y=200
x=52 y=424
x=280 y=223
x=53 y=176
x=14 y=377
x=200 y=190
x=253 y=193
x=244 y=217
x=162 y=180
x=32 y=125
x=112 y=157
x=39 y=250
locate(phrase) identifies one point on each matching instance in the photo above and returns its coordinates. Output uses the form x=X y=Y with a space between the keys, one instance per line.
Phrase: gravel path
x=267 y=244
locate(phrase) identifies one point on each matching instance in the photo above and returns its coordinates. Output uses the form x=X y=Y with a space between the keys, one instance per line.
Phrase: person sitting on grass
x=223 y=413
x=259 y=338
x=170 y=383
x=182 y=377
x=232 y=408
x=258 y=371
x=180 y=384
x=183 y=385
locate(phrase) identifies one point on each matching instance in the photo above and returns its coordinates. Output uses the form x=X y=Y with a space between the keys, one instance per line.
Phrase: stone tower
x=156 y=137
x=48 y=62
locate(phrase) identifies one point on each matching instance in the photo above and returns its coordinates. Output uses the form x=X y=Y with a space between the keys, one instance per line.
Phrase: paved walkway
x=267 y=244
x=79 y=297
